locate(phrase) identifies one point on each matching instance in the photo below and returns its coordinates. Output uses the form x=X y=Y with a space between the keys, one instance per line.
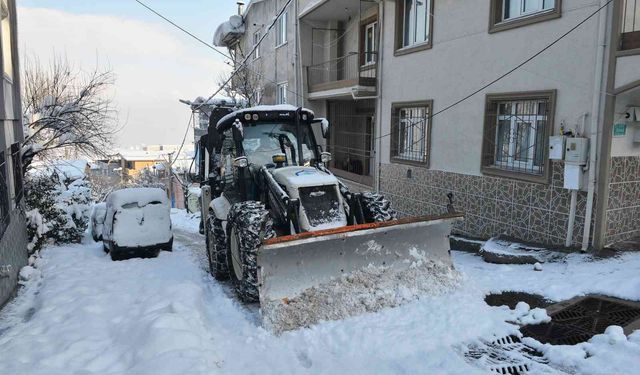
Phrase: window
x=7 y=56
x=414 y=25
x=281 y=93
x=16 y=160
x=411 y=132
x=370 y=43
x=517 y=128
x=630 y=25
x=4 y=195
x=256 y=41
x=507 y=14
x=281 y=30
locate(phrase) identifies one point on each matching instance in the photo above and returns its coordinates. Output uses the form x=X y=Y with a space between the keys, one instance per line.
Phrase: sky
x=154 y=63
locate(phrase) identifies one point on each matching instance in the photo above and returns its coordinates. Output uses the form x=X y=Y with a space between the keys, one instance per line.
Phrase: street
x=86 y=314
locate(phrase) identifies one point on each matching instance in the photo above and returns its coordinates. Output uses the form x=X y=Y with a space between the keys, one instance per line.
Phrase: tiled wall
x=623 y=203
x=530 y=212
x=13 y=252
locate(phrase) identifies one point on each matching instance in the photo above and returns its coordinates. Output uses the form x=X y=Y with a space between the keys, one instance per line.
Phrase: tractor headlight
x=241 y=162
x=279 y=158
x=255 y=117
x=247 y=116
x=325 y=157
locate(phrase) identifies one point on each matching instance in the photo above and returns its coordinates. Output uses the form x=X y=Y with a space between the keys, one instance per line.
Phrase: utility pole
x=171 y=195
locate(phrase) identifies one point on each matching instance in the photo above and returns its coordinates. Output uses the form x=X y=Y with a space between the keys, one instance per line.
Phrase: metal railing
x=630 y=25
x=349 y=70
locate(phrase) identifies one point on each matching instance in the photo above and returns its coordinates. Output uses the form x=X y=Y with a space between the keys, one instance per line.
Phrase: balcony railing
x=354 y=69
x=630 y=25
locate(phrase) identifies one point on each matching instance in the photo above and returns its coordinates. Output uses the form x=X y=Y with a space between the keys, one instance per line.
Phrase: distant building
x=13 y=234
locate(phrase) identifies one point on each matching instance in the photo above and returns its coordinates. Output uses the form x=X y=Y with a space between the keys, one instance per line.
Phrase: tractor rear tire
x=249 y=223
x=217 y=249
x=376 y=208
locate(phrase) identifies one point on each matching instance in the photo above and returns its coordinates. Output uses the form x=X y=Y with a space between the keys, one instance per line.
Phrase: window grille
x=411 y=133
x=517 y=128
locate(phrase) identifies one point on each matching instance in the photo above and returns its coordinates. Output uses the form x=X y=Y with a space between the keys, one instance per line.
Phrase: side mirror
x=324 y=127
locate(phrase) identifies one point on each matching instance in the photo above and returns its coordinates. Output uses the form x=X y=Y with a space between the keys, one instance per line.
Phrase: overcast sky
x=154 y=63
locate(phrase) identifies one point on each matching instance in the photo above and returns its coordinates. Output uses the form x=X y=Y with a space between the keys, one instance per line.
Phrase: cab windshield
x=262 y=141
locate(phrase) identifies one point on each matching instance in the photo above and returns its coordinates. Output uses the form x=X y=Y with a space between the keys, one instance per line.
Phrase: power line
x=510 y=71
x=220 y=52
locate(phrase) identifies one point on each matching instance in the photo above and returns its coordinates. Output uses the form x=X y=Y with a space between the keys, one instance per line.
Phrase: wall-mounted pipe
x=595 y=122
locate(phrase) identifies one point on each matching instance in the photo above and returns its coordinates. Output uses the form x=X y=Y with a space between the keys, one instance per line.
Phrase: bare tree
x=66 y=109
x=246 y=85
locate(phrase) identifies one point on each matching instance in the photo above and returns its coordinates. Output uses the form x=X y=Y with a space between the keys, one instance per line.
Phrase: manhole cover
x=507 y=355
x=511 y=299
x=578 y=320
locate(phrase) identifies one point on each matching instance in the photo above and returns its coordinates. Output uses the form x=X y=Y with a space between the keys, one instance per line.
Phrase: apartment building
x=529 y=126
x=271 y=75
x=13 y=234
x=492 y=151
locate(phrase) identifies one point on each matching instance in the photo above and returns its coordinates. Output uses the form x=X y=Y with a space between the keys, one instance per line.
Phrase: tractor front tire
x=249 y=223
x=217 y=248
x=376 y=208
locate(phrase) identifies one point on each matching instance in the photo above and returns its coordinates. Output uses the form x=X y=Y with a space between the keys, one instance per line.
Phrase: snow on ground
x=88 y=315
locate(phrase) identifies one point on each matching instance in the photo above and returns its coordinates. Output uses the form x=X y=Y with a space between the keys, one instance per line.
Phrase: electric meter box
x=556 y=147
x=576 y=150
x=573 y=176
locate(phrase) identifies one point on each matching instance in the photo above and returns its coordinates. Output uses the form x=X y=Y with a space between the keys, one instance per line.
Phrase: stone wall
x=623 y=203
x=13 y=253
x=531 y=212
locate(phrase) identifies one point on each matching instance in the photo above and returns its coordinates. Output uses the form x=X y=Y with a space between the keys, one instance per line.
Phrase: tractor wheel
x=249 y=223
x=217 y=248
x=377 y=208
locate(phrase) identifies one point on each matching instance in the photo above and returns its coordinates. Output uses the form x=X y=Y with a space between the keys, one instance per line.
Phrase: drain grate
x=580 y=320
x=507 y=355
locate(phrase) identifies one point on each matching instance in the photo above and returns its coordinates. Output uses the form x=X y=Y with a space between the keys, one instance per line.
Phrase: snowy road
x=89 y=315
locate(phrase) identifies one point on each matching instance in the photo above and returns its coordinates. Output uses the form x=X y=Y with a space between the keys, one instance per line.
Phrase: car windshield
x=262 y=141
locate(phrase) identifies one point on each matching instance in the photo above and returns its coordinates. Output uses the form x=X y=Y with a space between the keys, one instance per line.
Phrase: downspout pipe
x=596 y=120
x=378 y=149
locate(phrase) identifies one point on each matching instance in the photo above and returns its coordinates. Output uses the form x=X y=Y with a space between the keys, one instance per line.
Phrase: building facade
x=525 y=114
x=271 y=75
x=13 y=234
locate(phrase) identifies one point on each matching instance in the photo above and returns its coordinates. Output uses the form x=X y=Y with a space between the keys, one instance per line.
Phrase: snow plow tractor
x=286 y=231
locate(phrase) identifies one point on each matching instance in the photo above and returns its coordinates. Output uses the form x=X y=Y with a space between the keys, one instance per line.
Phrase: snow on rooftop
x=68 y=169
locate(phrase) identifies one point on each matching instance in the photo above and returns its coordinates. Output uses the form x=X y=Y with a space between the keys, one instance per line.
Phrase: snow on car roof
x=141 y=196
x=261 y=108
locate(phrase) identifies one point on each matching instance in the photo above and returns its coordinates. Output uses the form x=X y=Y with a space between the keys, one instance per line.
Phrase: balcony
x=352 y=74
x=630 y=30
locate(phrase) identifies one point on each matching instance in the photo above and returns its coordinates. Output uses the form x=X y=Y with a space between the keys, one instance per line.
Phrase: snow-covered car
x=97 y=220
x=137 y=223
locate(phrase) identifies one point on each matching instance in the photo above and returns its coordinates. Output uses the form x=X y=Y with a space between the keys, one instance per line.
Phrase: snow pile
x=363 y=291
x=27 y=273
x=500 y=250
x=609 y=353
x=524 y=315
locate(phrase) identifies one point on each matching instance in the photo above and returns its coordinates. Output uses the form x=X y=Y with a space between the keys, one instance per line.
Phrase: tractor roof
x=263 y=113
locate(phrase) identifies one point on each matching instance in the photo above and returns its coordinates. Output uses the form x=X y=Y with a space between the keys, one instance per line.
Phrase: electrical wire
x=509 y=72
